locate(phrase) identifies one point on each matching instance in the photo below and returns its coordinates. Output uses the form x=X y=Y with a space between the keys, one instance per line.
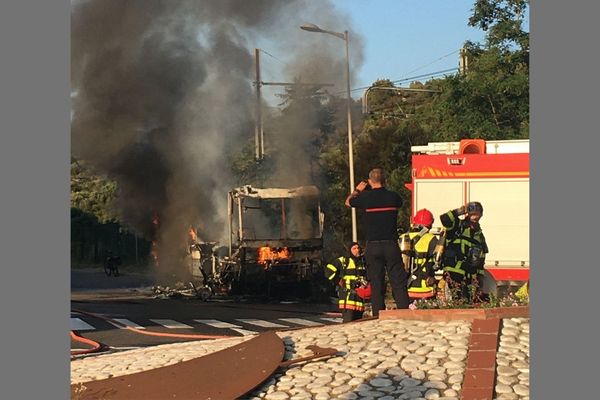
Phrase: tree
x=491 y=99
x=92 y=193
x=95 y=226
x=503 y=22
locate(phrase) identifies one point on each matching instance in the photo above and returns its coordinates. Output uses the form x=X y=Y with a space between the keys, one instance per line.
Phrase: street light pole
x=350 y=145
x=344 y=36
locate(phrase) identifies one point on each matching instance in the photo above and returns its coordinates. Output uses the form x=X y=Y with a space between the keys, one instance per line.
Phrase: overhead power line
x=429 y=75
x=433 y=62
x=271 y=55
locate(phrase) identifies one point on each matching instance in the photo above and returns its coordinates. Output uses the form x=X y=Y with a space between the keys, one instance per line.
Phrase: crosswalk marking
x=125 y=322
x=169 y=323
x=336 y=320
x=78 y=324
x=300 y=321
x=262 y=323
x=221 y=324
x=216 y=323
x=121 y=323
x=244 y=331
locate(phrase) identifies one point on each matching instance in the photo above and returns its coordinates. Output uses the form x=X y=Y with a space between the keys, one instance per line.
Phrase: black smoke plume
x=162 y=94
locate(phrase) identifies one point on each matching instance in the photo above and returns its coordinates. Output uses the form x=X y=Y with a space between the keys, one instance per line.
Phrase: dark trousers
x=351 y=315
x=384 y=256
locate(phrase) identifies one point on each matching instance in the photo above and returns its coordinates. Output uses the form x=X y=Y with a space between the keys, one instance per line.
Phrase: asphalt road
x=95 y=279
x=101 y=306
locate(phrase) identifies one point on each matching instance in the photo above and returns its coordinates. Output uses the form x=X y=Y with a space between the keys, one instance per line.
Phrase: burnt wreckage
x=275 y=240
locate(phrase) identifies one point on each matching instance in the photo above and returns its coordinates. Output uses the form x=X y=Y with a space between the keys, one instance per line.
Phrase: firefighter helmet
x=474 y=206
x=364 y=292
x=423 y=217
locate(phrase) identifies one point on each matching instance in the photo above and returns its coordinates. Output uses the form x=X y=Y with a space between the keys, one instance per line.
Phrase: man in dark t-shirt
x=382 y=251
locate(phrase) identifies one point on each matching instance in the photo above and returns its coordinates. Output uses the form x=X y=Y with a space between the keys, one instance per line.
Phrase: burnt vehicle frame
x=276 y=236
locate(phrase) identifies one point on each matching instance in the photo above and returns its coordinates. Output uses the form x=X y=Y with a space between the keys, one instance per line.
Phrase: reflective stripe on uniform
x=452 y=218
x=333 y=271
x=420 y=289
x=455 y=269
x=351 y=305
x=421 y=295
x=380 y=209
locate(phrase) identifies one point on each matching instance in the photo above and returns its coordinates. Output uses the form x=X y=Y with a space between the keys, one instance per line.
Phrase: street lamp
x=344 y=36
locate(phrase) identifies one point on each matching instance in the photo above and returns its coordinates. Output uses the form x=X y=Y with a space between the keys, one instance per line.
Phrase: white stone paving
x=512 y=360
x=379 y=359
x=375 y=361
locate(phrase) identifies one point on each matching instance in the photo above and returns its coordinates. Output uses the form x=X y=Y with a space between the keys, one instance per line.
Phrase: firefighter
x=383 y=256
x=465 y=252
x=421 y=282
x=350 y=275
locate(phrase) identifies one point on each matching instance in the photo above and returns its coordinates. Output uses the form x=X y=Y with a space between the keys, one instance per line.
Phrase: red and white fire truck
x=446 y=175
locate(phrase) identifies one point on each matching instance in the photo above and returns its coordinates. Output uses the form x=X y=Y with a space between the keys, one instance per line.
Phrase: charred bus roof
x=276 y=193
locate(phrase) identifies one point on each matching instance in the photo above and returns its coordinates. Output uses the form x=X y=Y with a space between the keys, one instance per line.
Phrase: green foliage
x=454 y=301
x=490 y=100
x=91 y=193
x=95 y=227
x=250 y=171
x=502 y=20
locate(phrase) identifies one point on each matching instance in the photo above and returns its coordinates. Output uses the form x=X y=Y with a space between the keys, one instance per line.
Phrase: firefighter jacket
x=348 y=273
x=465 y=251
x=421 y=263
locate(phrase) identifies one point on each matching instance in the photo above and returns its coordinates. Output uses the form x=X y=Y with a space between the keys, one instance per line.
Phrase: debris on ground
x=181 y=290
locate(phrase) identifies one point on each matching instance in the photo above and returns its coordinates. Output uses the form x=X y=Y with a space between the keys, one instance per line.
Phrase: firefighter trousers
x=384 y=256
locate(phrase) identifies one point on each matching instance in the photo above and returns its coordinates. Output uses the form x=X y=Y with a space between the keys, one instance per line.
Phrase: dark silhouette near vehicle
x=111 y=265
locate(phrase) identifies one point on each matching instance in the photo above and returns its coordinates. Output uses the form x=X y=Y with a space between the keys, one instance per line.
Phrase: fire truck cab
x=446 y=175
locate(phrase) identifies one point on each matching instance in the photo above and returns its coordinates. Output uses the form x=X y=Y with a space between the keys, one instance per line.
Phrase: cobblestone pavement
x=379 y=359
x=512 y=360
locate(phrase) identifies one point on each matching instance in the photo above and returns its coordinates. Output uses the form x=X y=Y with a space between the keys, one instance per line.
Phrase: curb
x=467 y=314
x=480 y=373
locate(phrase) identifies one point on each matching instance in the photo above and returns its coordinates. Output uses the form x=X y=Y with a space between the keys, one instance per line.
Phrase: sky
x=399 y=39
x=406 y=38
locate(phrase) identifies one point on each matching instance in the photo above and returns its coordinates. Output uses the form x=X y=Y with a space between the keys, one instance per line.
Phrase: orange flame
x=154 y=247
x=154 y=252
x=267 y=254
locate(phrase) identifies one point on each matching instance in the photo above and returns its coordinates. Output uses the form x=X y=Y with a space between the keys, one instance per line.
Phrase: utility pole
x=259 y=141
x=258 y=130
x=463 y=61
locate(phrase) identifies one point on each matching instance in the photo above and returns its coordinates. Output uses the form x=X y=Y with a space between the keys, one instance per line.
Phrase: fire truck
x=446 y=175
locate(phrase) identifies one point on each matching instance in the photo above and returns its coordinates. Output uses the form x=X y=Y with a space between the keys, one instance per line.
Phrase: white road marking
x=244 y=331
x=215 y=323
x=126 y=322
x=169 y=323
x=80 y=325
x=262 y=323
x=300 y=321
x=336 y=320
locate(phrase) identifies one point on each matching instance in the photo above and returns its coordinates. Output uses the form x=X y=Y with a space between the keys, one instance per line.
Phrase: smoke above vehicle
x=163 y=97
